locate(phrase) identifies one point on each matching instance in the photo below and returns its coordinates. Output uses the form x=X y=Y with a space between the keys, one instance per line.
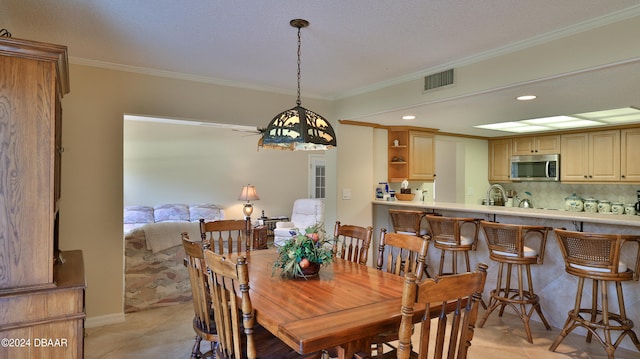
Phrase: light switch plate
x=346 y=193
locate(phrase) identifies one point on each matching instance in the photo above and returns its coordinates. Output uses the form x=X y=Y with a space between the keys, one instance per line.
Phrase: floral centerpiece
x=304 y=253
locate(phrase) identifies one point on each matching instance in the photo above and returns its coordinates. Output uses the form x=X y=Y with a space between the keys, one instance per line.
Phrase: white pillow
x=138 y=214
x=210 y=212
x=171 y=212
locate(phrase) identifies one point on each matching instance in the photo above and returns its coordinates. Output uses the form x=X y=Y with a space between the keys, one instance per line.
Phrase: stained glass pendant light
x=298 y=128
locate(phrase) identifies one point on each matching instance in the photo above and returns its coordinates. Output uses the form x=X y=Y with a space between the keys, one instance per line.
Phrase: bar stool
x=447 y=236
x=457 y=235
x=512 y=244
x=597 y=257
x=407 y=221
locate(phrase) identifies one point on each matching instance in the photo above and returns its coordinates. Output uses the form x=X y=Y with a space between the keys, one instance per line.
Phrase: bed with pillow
x=154 y=272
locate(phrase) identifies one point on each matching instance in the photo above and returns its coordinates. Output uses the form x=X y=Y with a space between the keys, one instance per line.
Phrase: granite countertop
x=615 y=219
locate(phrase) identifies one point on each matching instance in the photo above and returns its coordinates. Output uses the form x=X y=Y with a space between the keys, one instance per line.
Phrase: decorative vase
x=310 y=271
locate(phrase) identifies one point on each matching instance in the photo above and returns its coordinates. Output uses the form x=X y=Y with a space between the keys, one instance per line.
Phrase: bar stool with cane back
x=597 y=257
x=513 y=245
x=407 y=221
x=456 y=235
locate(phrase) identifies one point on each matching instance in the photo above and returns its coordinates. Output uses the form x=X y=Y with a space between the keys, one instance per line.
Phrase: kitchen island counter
x=555 y=287
x=552 y=214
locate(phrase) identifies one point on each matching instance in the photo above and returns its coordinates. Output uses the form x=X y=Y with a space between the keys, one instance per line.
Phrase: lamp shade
x=249 y=194
x=298 y=129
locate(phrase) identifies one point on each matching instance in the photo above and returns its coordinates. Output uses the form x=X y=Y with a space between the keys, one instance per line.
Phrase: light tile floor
x=167 y=333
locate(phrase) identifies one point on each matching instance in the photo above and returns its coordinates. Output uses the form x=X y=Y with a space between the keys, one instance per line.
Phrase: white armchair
x=306 y=212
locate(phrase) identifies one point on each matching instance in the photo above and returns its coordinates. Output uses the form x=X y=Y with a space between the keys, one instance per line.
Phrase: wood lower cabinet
x=41 y=301
x=46 y=323
x=590 y=157
x=499 y=160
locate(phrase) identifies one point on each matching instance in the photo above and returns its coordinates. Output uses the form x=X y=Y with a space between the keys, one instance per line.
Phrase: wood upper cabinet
x=590 y=157
x=541 y=145
x=412 y=157
x=629 y=152
x=39 y=299
x=422 y=150
x=398 y=153
x=34 y=77
x=499 y=160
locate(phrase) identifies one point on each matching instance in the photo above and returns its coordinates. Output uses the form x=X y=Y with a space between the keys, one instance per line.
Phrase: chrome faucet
x=500 y=189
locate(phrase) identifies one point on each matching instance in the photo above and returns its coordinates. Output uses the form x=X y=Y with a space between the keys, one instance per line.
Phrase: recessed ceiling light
x=408 y=117
x=526 y=97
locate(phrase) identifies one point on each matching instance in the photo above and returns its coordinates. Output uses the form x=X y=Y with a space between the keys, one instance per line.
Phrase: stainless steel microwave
x=535 y=168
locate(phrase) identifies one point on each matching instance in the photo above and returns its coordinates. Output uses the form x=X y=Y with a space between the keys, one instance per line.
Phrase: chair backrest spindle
x=352 y=242
x=402 y=253
x=225 y=236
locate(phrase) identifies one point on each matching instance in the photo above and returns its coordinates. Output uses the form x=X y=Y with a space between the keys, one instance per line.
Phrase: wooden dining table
x=342 y=308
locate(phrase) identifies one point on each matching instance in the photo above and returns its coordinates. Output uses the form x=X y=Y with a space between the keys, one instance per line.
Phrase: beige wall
x=92 y=174
x=355 y=168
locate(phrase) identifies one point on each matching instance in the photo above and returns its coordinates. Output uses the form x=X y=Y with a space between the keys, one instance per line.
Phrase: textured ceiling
x=350 y=46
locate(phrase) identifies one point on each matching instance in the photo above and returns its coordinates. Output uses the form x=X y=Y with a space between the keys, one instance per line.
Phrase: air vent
x=437 y=80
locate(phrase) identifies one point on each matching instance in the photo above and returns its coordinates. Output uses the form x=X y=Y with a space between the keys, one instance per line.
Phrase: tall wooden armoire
x=41 y=296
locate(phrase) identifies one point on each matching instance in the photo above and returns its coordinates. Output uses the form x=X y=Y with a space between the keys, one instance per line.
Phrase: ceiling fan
x=252 y=132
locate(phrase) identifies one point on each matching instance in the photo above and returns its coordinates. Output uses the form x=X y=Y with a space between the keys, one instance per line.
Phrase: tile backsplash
x=552 y=194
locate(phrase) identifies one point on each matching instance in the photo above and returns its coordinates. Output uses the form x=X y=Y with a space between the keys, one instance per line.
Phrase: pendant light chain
x=298 y=129
x=299 y=44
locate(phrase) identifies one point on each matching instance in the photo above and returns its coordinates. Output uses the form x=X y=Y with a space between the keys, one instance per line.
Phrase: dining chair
x=447 y=330
x=352 y=242
x=203 y=322
x=226 y=235
x=399 y=254
x=238 y=334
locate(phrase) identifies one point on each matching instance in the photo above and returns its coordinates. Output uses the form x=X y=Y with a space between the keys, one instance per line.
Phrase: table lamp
x=248 y=194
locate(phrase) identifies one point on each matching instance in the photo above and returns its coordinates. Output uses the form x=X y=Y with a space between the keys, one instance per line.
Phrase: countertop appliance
x=535 y=168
